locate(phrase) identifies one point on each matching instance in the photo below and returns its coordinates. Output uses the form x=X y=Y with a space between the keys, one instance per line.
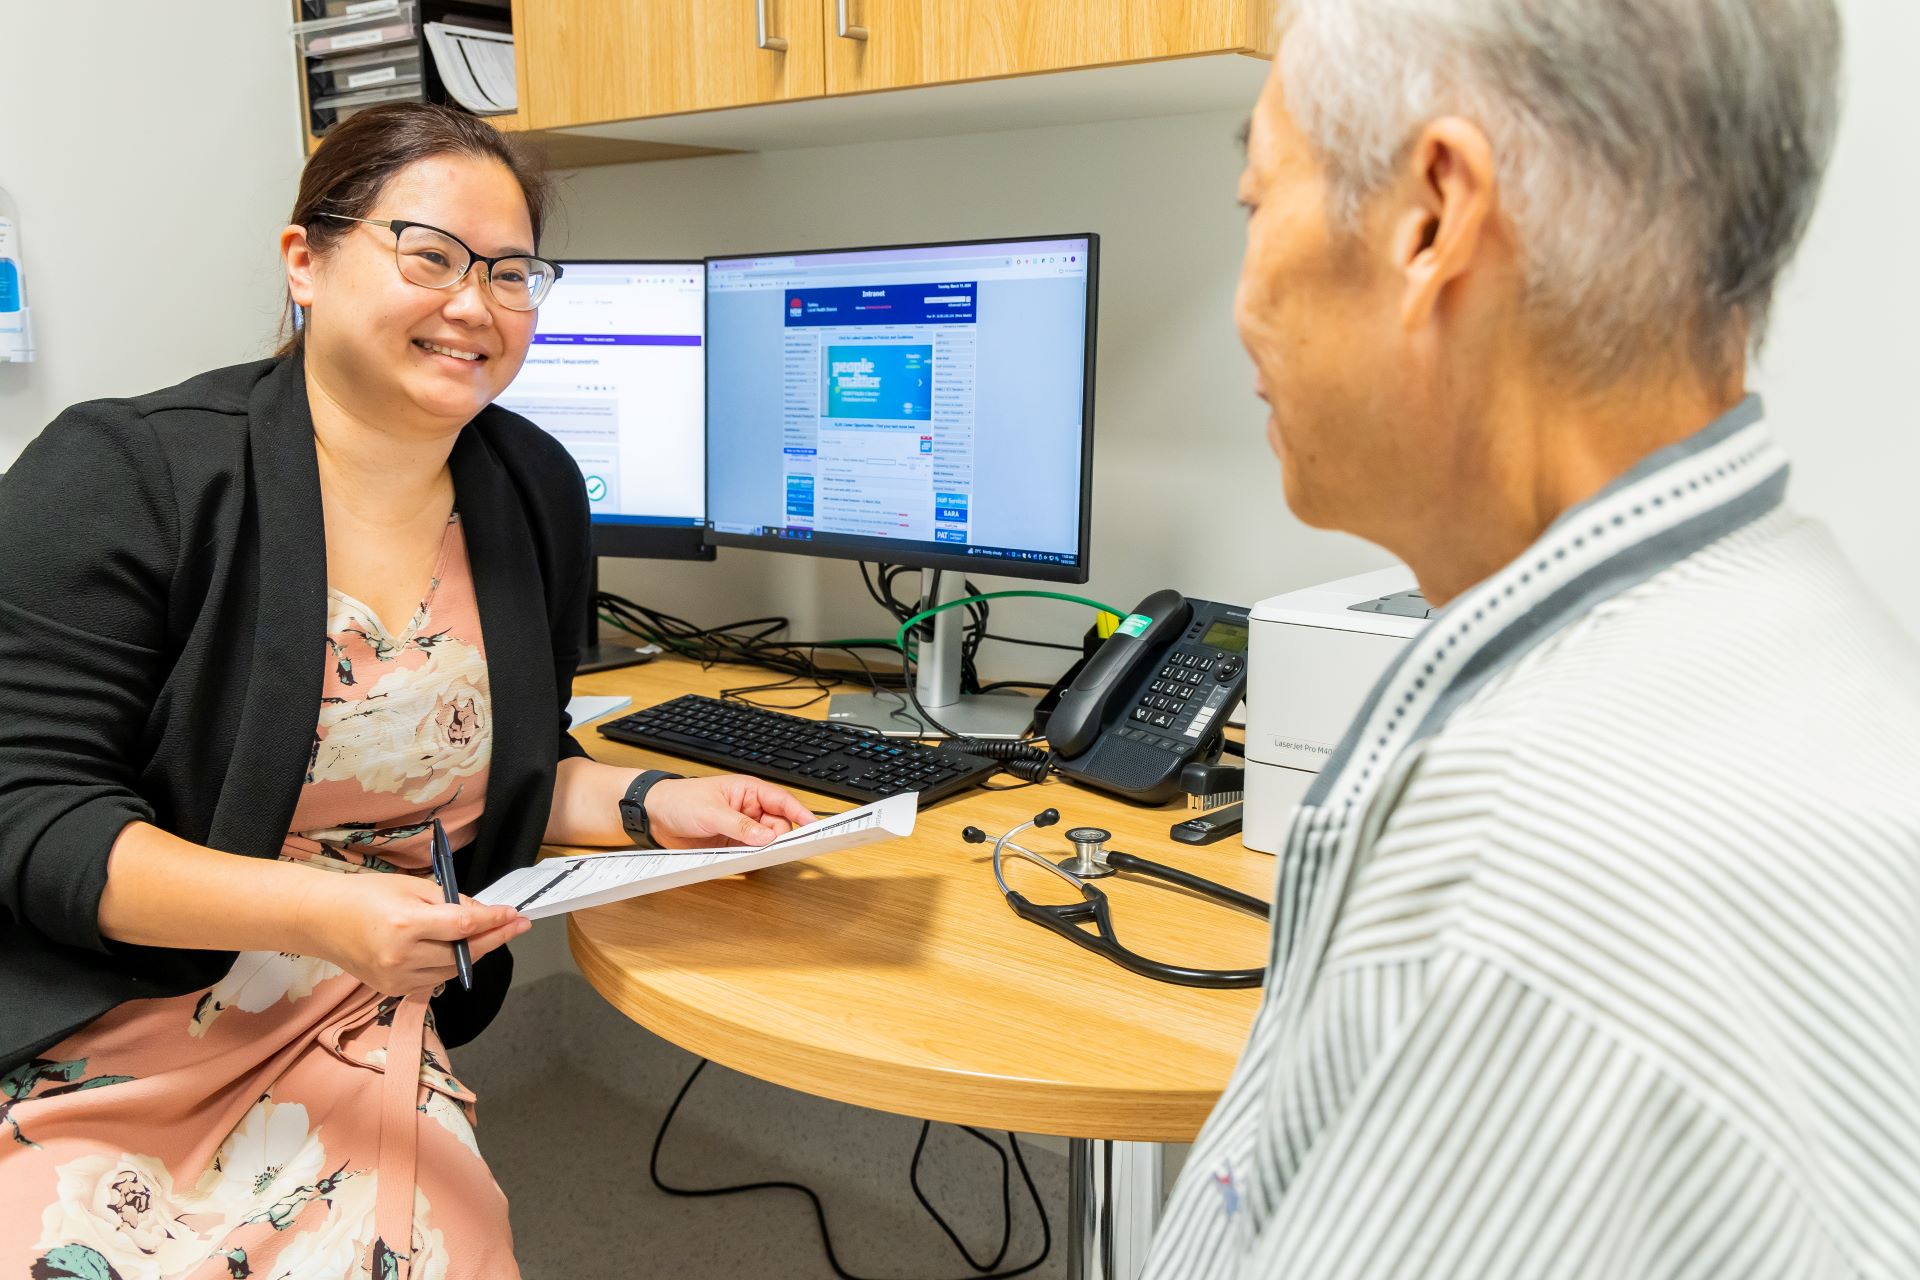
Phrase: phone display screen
x=1231 y=636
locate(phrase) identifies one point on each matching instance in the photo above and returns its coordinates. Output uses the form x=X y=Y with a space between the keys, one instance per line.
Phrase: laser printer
x=1313 y=656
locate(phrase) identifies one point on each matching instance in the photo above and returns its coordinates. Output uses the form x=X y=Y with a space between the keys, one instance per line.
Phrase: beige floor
x=571 y=1096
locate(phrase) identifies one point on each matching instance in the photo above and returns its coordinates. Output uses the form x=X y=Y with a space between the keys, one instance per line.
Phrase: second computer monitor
x=925 y=405
x=616 y=372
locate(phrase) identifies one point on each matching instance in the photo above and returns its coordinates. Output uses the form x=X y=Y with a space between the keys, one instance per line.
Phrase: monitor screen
x=616 y=372
x=927 y=405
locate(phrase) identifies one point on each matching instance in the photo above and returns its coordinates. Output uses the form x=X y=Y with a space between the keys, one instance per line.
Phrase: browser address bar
x=871 y=268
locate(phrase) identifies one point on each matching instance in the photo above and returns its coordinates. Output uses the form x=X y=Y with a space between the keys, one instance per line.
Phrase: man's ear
x=296 y=253
x=1446 y=195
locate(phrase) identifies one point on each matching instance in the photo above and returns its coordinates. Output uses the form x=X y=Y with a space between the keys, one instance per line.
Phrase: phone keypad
x=1178 y=691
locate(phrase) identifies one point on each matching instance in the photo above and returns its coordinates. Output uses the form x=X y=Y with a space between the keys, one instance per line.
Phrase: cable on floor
x=982 y=1270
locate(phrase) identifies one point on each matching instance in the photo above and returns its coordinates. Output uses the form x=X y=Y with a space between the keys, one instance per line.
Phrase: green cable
x=900 y=636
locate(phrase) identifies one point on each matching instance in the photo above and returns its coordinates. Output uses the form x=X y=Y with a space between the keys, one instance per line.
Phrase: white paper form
x=584 y=707
x=560 y=885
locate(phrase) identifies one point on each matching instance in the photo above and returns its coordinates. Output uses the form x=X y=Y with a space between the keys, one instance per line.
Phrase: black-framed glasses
x=436 y=259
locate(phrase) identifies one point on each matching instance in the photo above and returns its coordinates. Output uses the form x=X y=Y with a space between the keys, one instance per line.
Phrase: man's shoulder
x=1742 y=728
x=1764 y=652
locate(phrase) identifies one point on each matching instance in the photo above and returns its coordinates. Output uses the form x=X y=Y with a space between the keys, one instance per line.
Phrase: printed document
x=560 y=885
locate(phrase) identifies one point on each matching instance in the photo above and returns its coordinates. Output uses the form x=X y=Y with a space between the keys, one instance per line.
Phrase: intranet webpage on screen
x=617 y=374
x=877 y=409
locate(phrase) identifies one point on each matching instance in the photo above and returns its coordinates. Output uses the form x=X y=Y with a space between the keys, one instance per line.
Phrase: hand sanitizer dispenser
x=16 y=328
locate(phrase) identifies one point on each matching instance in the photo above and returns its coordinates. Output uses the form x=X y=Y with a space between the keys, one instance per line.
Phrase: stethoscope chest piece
x=1089 y=860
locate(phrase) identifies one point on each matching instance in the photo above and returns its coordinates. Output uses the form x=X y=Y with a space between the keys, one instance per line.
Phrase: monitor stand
x=937 y=685
x=599 y=655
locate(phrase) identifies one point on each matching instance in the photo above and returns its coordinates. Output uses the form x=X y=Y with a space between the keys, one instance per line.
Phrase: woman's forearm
x=163 y=891
x=586 y=803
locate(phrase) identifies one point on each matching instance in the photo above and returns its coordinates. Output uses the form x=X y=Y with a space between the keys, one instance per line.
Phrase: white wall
x=152 y=151
x=152 y=167
x=1838 y=372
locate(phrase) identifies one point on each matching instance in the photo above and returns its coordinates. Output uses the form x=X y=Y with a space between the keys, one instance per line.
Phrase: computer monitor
x=617 y=372
x=927 y=405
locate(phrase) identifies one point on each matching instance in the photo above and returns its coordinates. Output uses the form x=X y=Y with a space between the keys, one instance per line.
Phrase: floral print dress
x=256 y=1128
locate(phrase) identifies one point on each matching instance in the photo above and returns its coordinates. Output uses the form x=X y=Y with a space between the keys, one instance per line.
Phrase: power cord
x=982 y=1270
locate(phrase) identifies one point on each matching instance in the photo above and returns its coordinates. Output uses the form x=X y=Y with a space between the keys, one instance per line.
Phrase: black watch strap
x=633 y=807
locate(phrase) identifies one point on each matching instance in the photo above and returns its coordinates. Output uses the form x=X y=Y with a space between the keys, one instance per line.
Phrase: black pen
x=443 y=874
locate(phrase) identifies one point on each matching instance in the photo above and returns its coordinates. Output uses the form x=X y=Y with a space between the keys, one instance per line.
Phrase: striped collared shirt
x=1597 y=944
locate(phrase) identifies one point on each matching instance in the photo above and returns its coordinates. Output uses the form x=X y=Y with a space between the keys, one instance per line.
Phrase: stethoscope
x=1092 y=860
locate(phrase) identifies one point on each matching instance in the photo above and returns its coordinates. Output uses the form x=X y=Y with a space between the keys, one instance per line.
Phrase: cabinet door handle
x=777 y=44
x=847 y=32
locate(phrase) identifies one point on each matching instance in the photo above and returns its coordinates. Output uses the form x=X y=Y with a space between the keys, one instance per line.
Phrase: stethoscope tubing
x=1187 y=880
x=1094 y=909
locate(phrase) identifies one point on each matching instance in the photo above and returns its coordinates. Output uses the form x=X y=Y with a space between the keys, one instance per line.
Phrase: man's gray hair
x=1657 y=159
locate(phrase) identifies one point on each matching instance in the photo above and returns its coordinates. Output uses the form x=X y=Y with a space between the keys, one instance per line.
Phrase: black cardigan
x=163 y=597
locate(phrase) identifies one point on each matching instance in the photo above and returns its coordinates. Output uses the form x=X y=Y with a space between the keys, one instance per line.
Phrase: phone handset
x=1096 y=695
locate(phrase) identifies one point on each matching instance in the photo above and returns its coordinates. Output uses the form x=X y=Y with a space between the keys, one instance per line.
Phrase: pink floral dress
x=256 y=1128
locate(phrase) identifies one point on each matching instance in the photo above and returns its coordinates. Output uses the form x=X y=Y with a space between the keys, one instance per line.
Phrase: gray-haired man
x=1595 y=949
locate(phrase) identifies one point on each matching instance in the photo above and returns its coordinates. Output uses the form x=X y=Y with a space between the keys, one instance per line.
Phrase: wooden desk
x=896 y=977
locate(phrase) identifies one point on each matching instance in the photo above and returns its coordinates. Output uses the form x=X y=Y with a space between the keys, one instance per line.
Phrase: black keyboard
x=832 y=759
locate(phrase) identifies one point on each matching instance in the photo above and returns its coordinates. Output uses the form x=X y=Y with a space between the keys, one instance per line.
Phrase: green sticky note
x=1133 y=624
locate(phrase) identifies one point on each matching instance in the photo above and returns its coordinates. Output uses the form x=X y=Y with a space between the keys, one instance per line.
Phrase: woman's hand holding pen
x=395 y=932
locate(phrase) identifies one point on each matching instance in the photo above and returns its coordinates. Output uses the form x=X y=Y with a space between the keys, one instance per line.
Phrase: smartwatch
x=633 y=807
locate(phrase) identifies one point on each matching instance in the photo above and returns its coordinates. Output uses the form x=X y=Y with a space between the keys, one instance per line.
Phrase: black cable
x=1035 y=644
x=873 y=590
x=749 y=641
x=972 y=638
x=973 y=633
x=908 y=663
x=1006 y=1198
x=913 y=1177
x=1018 y=757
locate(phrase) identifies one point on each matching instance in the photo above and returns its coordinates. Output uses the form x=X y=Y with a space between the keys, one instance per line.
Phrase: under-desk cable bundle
x=981 y=1270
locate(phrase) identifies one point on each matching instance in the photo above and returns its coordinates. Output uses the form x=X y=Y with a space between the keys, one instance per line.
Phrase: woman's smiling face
x=395 y=347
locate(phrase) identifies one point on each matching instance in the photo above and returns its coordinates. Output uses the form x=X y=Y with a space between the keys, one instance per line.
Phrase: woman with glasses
x=261 y=635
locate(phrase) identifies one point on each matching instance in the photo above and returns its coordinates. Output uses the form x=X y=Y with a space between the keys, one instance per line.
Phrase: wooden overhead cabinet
x=614 y=81
x=894 y=44
x=590 y=61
